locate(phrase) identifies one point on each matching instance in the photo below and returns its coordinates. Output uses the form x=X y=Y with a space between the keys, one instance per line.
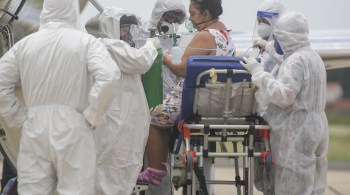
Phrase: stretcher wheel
x=189 y=164
x=268 y=163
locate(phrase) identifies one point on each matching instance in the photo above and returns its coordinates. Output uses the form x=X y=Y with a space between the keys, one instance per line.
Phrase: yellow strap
x=213 y=75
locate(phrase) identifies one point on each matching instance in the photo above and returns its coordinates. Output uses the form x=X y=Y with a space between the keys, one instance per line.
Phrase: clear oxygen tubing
x=247 y=52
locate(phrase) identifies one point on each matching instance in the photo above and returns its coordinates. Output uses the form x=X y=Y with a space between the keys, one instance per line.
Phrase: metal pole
x=97 y=5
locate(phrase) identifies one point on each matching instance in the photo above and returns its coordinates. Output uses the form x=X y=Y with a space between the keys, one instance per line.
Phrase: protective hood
x=92 y=26
x=162 y=6
x=107 y=24
x=59 y=13
x=292 y=32
x=272 y=6
x=110 y=22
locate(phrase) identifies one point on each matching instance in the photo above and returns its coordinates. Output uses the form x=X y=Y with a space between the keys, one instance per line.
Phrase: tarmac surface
x=338 y=179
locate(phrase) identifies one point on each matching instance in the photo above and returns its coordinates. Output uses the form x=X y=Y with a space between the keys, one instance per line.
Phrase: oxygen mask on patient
x=189 y=25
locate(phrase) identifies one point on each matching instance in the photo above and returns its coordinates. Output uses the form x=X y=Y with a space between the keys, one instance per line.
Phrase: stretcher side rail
x=202 y=126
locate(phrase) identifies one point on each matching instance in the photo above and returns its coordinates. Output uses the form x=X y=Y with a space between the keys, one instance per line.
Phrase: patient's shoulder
x=203 y=36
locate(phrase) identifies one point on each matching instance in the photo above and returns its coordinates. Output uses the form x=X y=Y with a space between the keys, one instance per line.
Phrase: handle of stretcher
x=181 y=126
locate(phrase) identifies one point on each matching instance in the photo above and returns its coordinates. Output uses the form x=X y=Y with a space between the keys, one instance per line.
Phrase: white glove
x=260 y=43
x=252 y=65
x=155 y=41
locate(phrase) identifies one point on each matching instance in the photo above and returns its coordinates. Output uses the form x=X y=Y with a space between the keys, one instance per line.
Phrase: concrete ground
x=338 y=180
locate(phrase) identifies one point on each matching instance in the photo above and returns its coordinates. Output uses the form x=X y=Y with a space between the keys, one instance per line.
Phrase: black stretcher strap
x=201 y=178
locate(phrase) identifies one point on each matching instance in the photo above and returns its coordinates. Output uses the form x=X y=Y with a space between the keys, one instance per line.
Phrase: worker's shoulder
x=76 y=32
x=77 y=35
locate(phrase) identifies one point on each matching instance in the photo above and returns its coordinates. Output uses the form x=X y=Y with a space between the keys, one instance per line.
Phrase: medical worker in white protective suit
x=297 y=98
x=166 y=17
x=68 y=80
x=121 y=140
x=267 y=16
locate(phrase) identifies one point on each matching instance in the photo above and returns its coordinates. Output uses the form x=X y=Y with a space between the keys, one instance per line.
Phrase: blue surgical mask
x=278 y=48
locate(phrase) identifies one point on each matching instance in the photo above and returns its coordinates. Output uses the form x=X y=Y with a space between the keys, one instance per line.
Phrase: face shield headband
x=264 y=25
x=269 y=15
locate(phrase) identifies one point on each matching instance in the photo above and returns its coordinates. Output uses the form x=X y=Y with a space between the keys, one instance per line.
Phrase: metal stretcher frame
x=228 y=127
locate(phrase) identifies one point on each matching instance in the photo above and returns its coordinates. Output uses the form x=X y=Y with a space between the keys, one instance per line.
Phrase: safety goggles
x=174 y=17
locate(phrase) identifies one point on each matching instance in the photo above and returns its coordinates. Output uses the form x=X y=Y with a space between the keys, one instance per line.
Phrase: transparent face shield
x=129 y=33
x=264 y=25
x=263 y=29
x=170 y=21
x=174 y=16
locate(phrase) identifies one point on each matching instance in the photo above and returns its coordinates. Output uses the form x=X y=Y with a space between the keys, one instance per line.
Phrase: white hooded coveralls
x=54 y=67
x=297 y=98
x=122 y=139
x=271 y=61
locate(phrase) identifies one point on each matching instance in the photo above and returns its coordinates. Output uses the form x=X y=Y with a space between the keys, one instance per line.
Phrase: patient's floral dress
x=166 y=113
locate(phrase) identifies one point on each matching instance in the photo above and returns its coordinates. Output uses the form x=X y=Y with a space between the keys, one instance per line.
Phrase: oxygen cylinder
x=153 y=81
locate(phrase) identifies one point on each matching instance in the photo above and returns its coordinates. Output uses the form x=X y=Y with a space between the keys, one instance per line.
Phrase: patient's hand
x=156 y=110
